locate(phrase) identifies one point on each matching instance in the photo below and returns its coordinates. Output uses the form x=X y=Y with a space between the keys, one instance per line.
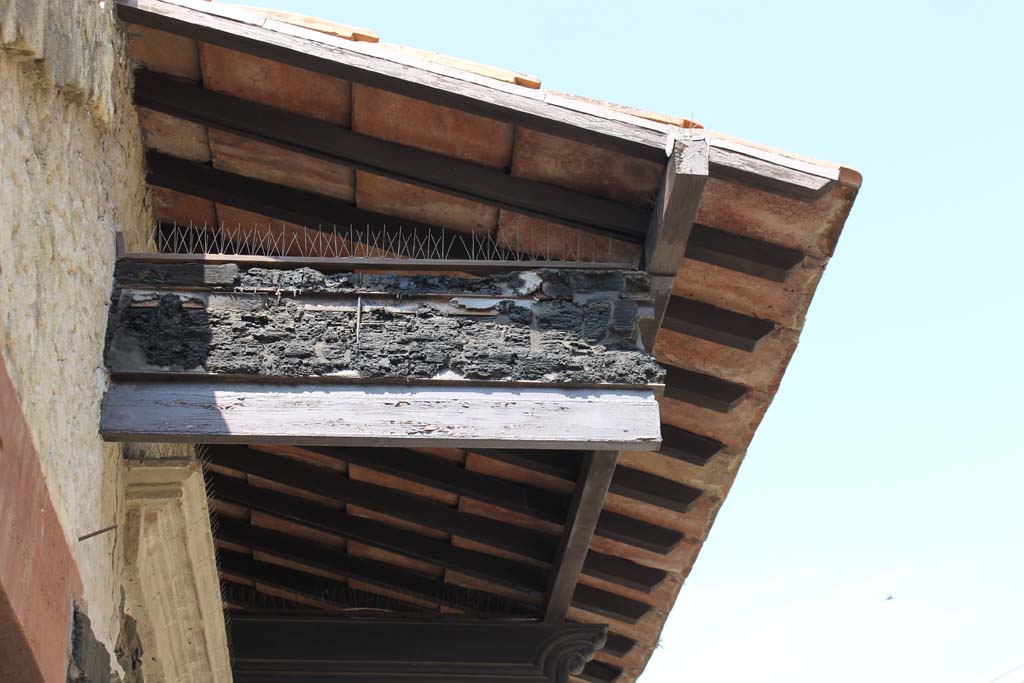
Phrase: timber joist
x=514 y=539
x=523 y=578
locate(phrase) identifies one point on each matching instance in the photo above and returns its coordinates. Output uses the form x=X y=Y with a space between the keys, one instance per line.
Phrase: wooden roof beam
x=337 y=144
x=326 y=561
x=627 y=481
x=719 y=325
x=280 y=202
x=485 y=530
x=546 y=112
x=671 y=221
x=518 y=576
x=207 y=411
x=336 y=647
x=502 y=493
x=595 y=477
x=742 y=254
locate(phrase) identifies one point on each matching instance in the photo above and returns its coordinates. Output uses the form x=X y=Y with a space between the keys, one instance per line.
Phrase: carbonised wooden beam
x=512 y=574
x=491 y=532
x=742 y=254
x=393 y=160
x=706 y=391
x=315 y=648
x=194 y=411
x=502 y=493
x=684 y=445
x=595 y=476
x=671 y=221
x=278 y=201
x=627 y=481
x=715 y=324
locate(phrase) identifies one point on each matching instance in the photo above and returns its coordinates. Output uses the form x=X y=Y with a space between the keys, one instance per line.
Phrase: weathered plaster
x=70 y=176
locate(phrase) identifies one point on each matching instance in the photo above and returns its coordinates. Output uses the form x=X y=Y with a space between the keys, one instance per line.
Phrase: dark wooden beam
x=513 y=574
x=518 y=576
x=599 y=672
x=325 y=593
x=706 y=391
x=320 y=560
x=437 y=172
x=687 y=446
x=627 y=481
x=502 y=493
x=239 y=570
x=719 y=325
x=314 y=649
x=595 y=477
x=742 y=254
x=281 y=202
x=491 y=532
x=671 y=221
x=364 y=64
x=414 y=509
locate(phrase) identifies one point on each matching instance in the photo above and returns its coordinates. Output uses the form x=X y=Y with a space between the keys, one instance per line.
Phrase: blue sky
x=891 y=461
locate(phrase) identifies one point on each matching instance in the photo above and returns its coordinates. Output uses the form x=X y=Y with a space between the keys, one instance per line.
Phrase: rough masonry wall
x=70 y=176
x=568 y=327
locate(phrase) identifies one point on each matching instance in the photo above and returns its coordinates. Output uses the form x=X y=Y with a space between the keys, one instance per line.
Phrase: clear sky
x=891 y=461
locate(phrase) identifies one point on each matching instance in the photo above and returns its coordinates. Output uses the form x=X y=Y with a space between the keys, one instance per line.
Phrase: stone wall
x=71 y=175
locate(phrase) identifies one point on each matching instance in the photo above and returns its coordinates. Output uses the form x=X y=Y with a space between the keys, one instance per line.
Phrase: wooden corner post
x=674 y=213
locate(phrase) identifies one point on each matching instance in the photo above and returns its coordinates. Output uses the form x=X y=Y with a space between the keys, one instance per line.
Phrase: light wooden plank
x=246 y=413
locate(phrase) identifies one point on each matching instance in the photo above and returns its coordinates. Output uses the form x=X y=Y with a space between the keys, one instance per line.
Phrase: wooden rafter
x=369 y=65
x=491 y=532
x=742 y=254
x=712 y=323
x=627 y=481
x=523 y=578
x=280 y=202
x=337 y=144
x=530 y=501
x=706 y=391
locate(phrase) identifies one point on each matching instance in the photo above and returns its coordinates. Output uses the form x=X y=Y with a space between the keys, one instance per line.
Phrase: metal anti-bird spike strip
x=388 y=241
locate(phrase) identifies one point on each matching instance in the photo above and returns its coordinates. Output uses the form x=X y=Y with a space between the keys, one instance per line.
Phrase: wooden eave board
x=209 y=412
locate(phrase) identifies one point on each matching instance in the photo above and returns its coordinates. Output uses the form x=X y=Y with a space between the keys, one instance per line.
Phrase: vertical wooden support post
x=595 y=477
x=671 y=222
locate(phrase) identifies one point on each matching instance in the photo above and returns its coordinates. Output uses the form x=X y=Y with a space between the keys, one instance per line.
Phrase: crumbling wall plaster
x=71 y=175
